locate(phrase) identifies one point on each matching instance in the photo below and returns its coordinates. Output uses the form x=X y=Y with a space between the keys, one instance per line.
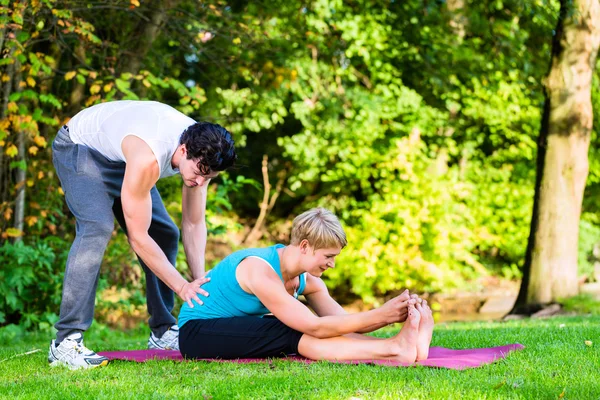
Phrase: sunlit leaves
x=50 y=99
x=95 y=88
x=40 y=141
x=124 y=87
x=11 y=151
x=13 y=233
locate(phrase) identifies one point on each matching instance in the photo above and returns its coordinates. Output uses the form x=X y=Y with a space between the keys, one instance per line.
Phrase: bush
x=30 y=283
x=581 y=304
x=589 y=236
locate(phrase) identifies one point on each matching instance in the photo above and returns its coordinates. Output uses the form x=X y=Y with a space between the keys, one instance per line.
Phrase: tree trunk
x=78 y=92
x=459 y=21
x=6 y=92
x=550 y=269
x=2 y=37
x=148 y=32
x=21 y=171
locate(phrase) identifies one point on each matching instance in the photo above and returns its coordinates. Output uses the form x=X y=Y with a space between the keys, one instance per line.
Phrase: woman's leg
x=425 y=330
x=237 y=337
x=360 y=336
x=402 y=347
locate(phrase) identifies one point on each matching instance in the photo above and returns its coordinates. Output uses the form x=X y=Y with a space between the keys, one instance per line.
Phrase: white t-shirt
x=104 y=126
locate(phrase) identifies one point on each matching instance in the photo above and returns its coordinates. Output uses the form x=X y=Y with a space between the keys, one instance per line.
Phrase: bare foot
x=406 y=340
x=425 y=330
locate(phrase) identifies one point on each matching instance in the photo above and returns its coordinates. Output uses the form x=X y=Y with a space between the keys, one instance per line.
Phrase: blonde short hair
x=320 y=227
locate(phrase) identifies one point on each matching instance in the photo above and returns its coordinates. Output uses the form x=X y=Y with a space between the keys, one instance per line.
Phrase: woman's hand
x=396 y=309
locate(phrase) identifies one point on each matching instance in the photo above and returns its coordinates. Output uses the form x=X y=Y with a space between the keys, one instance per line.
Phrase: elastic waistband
x=63 y=134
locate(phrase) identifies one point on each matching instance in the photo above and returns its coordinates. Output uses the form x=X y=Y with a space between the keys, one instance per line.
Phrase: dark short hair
x=211 y=144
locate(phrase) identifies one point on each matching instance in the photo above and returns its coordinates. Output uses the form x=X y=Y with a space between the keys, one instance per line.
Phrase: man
x=108 y=160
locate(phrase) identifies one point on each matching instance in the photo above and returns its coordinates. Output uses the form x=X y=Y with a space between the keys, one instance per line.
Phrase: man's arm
x=141 y=174
x=193 y=227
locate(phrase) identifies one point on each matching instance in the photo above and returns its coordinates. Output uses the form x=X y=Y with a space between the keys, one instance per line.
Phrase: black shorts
x=238 y=337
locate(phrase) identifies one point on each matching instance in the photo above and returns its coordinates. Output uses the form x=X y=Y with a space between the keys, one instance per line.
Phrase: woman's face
x=318 y=261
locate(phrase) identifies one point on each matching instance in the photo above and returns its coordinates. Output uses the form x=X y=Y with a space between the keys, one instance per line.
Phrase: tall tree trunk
x=148 y=32
x=550 y=269
x=6 y=92
x=459 y=21
x=2 y=38
x=78 y=92
x=21 y=171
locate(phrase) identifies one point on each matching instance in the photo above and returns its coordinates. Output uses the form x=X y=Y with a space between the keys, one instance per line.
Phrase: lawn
x=556 y=363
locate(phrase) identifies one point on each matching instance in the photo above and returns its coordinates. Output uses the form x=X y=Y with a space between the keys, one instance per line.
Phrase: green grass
x=582 y=304
x=556 y=363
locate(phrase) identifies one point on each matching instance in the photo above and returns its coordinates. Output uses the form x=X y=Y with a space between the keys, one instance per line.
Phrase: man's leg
x=160 y=298
x=91 y=205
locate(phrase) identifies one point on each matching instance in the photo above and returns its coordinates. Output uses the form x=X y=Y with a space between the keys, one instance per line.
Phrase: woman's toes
x=414 y=316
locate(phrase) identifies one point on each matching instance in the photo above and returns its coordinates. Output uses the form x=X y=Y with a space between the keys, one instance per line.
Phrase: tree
x=550 y=269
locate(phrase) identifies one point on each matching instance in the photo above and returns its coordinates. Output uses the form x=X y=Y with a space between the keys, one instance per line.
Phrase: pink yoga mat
x=438 y=357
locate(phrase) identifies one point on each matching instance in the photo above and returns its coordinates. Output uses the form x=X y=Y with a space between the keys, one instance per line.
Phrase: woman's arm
x=320 y=300
x=257 y=278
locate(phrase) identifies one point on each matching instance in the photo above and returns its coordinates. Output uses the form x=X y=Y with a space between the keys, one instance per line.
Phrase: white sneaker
x=168 y=341
x=73 y=354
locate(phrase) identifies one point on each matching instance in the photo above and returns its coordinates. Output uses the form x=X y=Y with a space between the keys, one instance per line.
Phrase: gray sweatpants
x=92 y=186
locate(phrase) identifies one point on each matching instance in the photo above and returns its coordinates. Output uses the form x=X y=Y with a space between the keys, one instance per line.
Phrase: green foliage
x=459 y=198
x=415 y=122
x=30 y=282
x=582 y=304
x=589 y=238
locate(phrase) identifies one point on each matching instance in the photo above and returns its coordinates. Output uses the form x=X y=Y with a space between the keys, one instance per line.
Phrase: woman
x=251 y=283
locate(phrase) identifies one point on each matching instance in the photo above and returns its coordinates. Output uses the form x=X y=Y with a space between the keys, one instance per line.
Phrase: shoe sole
x=59 y=363
x=153 y=346
x=161 y=348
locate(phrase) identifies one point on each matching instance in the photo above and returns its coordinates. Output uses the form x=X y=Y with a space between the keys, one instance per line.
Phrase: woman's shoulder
x=255 y=250
x=313 y=284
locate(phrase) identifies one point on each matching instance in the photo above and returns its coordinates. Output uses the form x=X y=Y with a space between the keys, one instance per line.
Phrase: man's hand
x=190 y=290
x=396 y=309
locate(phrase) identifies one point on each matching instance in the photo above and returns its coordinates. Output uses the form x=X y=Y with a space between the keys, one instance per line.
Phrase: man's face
x=188 y=168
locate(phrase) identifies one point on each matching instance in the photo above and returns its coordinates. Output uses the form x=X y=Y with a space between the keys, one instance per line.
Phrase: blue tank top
x=227 y=299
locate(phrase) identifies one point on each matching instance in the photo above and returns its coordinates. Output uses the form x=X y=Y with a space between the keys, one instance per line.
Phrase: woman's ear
x=304 y=246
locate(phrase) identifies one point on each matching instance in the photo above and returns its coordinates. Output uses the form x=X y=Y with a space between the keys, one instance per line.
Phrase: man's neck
x=176 y=158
